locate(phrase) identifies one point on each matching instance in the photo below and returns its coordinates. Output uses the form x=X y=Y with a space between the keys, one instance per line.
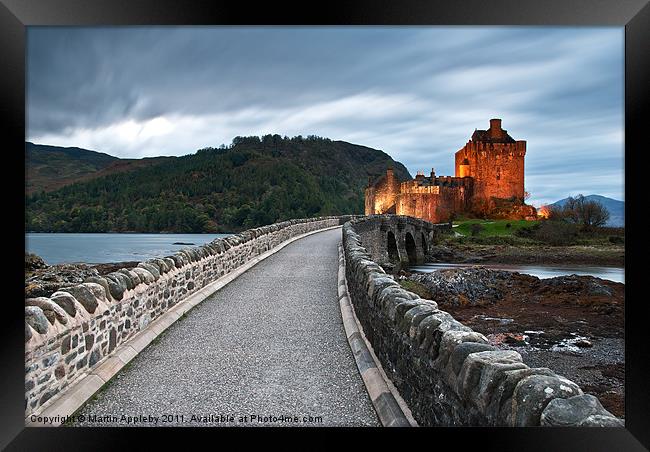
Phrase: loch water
x=98 y=248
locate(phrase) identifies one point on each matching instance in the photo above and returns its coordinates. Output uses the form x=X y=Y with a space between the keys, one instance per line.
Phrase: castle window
x=498 y=173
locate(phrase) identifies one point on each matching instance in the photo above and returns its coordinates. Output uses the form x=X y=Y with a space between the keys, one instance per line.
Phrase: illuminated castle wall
x=489 y=167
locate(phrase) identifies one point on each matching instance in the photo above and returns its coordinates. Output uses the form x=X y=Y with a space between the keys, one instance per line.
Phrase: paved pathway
x=269 y=344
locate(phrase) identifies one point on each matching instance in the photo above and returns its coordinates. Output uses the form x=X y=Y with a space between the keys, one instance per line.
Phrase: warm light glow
x=544 y=212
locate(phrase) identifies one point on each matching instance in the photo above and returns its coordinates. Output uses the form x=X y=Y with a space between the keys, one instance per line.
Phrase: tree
x=594 y=214
x=587 y=213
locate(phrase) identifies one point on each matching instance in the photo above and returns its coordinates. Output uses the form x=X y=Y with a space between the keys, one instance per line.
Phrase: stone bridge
x=261 y=328
x=399 y=239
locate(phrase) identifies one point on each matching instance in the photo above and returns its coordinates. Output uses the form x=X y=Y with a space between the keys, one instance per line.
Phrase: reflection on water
x=57 y=248
x=616 y=274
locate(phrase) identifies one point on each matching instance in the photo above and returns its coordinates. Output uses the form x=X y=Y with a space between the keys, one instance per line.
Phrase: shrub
x=556 y=233
x=476 y=228
x=616 y=239
x=527 y=231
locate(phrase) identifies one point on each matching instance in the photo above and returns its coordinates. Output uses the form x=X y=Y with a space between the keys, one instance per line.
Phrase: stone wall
x=74 y=329
x=447 y=373
x=381 y=197
x=436 y=203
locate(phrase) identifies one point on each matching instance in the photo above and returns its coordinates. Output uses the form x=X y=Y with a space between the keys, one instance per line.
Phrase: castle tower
x=495 y=161
x=382 y=196
x=495 y=131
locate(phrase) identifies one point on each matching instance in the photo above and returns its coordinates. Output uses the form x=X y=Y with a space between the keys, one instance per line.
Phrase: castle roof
x=484 y=135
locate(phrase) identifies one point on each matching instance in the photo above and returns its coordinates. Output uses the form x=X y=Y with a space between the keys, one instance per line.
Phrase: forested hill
x=49 y=167
x=252 y=182
x=52 y=167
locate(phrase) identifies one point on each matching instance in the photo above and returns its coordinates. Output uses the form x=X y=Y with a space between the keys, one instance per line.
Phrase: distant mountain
x=616 y=208
x=252 y=182
x=52 y=167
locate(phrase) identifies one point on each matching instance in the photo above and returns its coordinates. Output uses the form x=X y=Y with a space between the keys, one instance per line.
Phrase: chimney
x=433 y=174
x=495 y=128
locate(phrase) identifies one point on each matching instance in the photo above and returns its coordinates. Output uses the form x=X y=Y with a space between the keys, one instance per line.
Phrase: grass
x=419 y=289
x=504 y=232
x=492 y=227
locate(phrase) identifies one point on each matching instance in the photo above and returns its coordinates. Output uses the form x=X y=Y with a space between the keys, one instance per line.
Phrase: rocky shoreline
x=572 y=324
x=42 y=280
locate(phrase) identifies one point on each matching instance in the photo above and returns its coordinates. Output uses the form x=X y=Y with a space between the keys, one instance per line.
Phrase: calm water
x=103 y=248
x=541 y=271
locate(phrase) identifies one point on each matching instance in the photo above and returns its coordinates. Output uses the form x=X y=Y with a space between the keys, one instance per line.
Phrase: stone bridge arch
x=411 y=248
x=399 y=239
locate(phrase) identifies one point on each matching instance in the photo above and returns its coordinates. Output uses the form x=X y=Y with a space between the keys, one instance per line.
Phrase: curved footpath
x=270 y=344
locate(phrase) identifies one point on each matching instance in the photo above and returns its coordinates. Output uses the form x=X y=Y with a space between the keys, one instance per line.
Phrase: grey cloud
x=415 y=92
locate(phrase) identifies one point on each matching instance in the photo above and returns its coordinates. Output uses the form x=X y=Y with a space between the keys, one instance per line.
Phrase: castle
x=489 y=181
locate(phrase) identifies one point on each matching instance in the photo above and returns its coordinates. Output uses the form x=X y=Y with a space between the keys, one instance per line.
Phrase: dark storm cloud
x=415 y=92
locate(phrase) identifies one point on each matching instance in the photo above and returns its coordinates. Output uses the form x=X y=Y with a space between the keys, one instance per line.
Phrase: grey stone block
x=97 y=290
x=437 y=335
x=377 y=284
x=179 y=260
x=533 y=393
x=144 y=275
x=492 y=376
x=392 y=302
x=66 y=301
x=428 y=326
x=125 y=280
x=151 y=269
x=415 y=315
x=599 y=420
x=83 y=295
x=171 y=263
x=116 y=287
x=35 y=317
x=573 y=411
x=462 y=350
x=48 y=306
x=102 y=282
x=448 y=342
x=160 y=264
x=501 y=403
x=135 y=279
x=402 y=308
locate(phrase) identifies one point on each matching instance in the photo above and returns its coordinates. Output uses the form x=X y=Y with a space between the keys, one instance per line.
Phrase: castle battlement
x=490 y=166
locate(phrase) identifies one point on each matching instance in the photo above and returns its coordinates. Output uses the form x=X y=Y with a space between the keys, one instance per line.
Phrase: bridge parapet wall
x=447 y=373
x=71 y=332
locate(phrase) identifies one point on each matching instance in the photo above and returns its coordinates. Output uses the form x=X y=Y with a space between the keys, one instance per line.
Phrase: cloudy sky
x=416 y=93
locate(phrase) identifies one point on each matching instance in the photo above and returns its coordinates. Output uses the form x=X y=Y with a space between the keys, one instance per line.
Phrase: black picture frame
x=634 y=15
